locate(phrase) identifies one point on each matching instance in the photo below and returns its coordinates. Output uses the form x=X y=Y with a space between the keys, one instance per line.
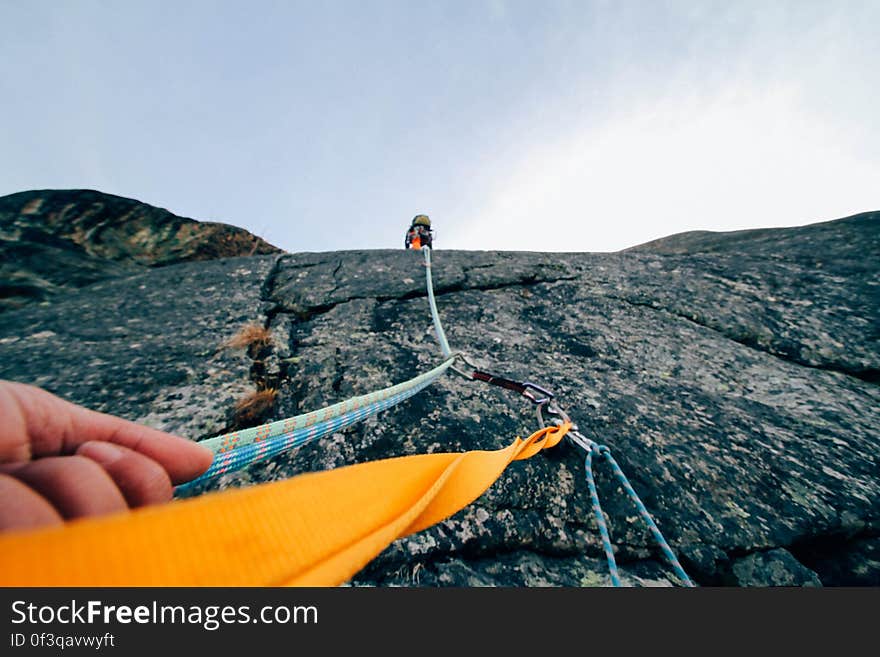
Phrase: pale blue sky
x=550 y=126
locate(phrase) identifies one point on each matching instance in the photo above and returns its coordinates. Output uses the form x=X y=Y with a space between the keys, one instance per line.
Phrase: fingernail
x=103 y=453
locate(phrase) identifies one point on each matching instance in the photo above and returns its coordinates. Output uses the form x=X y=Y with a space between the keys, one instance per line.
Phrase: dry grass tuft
x=254 y=406
x=252 y=336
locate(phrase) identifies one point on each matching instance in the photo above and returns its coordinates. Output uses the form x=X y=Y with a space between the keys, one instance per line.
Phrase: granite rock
x=56 y=240
x=737 y=391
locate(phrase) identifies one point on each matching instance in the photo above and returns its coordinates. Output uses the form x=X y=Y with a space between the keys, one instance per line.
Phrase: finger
x=182 y=459
x=56 y=426
x=141 y=480
x=24 y=508
x=14 y=443
x=75 y=486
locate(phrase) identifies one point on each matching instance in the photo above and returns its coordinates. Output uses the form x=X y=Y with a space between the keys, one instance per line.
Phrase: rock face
x=54 y=240
x=737 y=389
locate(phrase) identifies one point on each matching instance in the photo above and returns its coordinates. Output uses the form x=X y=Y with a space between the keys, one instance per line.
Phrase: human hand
x=60 y=461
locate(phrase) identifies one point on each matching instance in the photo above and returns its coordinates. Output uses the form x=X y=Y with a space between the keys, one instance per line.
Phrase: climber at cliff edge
x=419 y=233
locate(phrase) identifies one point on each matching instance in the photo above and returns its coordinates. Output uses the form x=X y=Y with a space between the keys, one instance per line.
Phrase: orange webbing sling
x=316 y=529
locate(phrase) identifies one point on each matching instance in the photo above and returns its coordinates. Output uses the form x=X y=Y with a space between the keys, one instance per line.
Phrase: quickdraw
x=531 y=391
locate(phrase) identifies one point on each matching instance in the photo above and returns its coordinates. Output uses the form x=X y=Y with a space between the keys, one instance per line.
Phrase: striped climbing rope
x=238 y=449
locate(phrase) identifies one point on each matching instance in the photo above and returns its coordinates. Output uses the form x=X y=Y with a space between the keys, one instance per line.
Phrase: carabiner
x=528 y=387
x=468 y=363
x=531 y=391
x=554 y=410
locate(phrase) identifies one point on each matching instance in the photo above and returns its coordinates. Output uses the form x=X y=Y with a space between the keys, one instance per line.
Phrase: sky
x=553 y=125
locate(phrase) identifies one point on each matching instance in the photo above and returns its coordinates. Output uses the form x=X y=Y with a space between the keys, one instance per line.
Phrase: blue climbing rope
x=600 y=521
x=602 y=451
x=591 y=448
x=240 y=449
